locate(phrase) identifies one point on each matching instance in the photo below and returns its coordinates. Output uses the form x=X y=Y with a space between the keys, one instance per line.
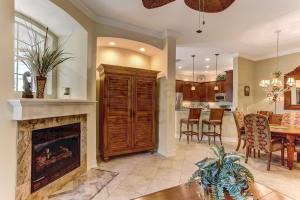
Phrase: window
x=23 y=26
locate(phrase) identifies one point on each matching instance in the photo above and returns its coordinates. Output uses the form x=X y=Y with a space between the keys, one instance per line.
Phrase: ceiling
x=246 y=28
x=149 y=50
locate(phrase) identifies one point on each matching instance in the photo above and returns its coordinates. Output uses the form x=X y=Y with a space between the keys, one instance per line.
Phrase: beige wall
x=264 y=69
x=246 y=74
x=8 y=127
x=122 y=57
x=103 y=30
x=89 y=25
x=252 y=72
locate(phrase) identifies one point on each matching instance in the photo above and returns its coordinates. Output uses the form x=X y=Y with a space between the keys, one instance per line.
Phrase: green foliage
x=277 y=74
x=39 y=58
x=223 y=173
x=221 y=77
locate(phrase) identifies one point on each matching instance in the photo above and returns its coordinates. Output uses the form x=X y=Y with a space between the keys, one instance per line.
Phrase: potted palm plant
x=40 y=59
x=223 y=177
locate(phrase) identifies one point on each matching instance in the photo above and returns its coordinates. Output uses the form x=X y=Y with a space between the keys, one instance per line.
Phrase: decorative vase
x=40 y=86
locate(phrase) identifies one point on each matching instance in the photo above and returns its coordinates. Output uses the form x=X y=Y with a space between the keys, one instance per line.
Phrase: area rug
x=86 y=186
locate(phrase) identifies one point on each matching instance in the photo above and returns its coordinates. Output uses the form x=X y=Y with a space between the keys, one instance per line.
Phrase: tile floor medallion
x=141 y=174
x=86 y=186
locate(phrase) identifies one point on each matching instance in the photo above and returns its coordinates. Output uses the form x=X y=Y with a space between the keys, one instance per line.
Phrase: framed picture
x=247 y=91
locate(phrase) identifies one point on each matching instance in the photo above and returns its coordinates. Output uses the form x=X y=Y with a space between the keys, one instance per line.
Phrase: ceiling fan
x=208 y=6
x=204 y=6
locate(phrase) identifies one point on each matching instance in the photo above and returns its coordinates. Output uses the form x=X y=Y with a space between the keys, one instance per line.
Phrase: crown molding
x=86 y=10
x=128 y=27
x=115 y=23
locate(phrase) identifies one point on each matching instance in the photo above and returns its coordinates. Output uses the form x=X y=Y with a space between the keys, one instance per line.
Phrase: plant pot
x=40 y=86
x=207 y=194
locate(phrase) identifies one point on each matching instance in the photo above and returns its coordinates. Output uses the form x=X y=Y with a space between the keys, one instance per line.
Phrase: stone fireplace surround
x=32 y=114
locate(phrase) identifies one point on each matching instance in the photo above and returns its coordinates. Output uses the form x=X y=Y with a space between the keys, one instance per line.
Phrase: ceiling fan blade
x=155 y=3
x=210 y=6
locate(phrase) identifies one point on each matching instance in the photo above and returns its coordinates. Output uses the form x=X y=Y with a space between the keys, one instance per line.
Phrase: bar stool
x=215 y=120
x=239 y=122
x=193 y=119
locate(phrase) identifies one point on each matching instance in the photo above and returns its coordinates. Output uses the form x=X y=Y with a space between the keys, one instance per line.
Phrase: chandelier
x=275 y=88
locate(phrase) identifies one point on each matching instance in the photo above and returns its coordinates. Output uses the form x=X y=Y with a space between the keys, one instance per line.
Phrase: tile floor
x=145 y=173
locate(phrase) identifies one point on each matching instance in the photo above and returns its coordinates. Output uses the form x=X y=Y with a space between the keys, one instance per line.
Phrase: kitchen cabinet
x=179 y=86
x=210 y=92
x=186 y=90
x=127 y=110
x=205 y=91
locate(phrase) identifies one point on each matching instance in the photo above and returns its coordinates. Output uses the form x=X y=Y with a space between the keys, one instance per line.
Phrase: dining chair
x=258 y=138
x=193 y=119
x=215 y=120
x=239 y=122
x=265 y=113
x=297 y=149
x=293 y=119
x=276 y=119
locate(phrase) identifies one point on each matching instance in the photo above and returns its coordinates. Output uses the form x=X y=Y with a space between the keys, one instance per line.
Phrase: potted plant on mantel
x=41 y=59
x=222 y=177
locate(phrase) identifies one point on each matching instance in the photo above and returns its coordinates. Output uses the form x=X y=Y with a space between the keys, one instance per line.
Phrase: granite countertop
x=203 y=111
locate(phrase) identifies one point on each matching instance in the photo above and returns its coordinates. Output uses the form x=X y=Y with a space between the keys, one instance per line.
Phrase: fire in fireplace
x=55 y=152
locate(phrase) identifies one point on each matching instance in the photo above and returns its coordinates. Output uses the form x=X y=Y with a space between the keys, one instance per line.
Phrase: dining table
x=186 y=192
x=290 y=133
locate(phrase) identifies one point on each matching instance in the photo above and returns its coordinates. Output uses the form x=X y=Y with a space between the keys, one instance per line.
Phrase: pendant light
x=216 y=88
x=193 y=87
x=201 y=22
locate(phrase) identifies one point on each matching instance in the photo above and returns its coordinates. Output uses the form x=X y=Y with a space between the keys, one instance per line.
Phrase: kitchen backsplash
x=190 y=104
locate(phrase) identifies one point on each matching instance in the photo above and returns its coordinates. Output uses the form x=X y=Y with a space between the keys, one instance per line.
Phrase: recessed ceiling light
x=112 y=43
x=142 y=49
x=207 y=59
x=179 y=67
x=207 y=66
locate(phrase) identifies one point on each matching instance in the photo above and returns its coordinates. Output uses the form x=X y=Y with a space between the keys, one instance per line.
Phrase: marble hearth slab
x=86 y=186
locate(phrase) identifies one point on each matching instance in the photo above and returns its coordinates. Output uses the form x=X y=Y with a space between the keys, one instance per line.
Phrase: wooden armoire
x=127 y=106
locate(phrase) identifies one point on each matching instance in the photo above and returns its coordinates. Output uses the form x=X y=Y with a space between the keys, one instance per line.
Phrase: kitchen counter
x=229 y=127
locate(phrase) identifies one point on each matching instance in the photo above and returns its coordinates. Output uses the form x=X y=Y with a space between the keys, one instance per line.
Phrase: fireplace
x=55 y=152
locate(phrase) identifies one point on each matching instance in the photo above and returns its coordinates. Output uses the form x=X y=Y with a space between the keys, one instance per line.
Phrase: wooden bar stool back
x=239 y=122
x=215 y=120
x=193 y=119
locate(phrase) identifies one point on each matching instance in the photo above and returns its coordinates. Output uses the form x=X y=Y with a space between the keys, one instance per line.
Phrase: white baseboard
x=92 y=164
x=224 y=139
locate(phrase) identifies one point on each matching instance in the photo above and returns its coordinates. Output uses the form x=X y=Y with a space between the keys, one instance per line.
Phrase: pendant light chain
x=193 y=67
x=277 y=49
x=199 y=28
x=203 y=12
x=201 y=22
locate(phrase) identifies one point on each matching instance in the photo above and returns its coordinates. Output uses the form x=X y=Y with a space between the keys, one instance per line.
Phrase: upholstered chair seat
x=258 y=136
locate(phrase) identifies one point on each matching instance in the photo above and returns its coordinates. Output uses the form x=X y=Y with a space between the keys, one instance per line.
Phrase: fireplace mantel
x=26 y=109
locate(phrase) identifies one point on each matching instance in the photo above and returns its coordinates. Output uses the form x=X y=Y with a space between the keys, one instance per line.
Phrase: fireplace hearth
x=55 y=152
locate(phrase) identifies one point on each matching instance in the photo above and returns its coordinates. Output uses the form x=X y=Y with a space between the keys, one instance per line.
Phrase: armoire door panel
x=119 y=109
x=144 y=112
